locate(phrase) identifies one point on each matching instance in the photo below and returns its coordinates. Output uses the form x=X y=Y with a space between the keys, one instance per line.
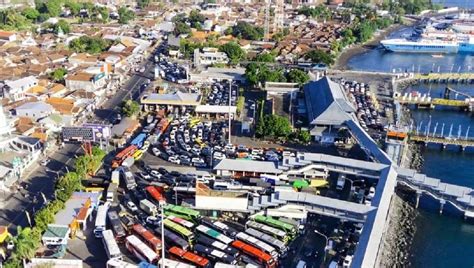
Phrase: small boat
x=437 y=56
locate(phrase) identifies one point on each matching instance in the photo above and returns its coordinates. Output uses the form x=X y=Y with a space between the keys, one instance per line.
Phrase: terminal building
x=170 y=101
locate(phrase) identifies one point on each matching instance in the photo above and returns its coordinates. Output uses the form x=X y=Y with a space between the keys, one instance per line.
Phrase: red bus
x=189 y=257
x=150 y=239
x=118 y=159
x=255 y=253
x=156 y=192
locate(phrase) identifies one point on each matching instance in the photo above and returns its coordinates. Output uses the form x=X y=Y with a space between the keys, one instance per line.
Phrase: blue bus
x=139 y=140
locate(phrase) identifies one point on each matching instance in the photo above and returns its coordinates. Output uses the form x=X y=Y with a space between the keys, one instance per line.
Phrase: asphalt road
x=42 y=179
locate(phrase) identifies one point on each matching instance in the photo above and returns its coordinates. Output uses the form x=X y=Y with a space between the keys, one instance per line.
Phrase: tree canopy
x=247 y=31
x=58 y=74
x=130 y=108
x=92 y=45
x=233 y=51
x=265 y=57
x=125 y=15
x=273 y=126
x=297 y=76
x=143 y=3
x=260 y=73
x=320 y=56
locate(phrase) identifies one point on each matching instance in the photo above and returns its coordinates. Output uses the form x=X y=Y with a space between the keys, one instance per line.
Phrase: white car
x=132 y=206
x=174 y=159
x=45 y=162
x=371 y=193
x=347 y=261
x=152 y=220
x=156 y=151
x=219 y=156
x=155 y=173
x=145 y=146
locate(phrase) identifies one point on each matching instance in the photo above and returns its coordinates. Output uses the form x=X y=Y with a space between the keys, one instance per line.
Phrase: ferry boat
x=460 y=44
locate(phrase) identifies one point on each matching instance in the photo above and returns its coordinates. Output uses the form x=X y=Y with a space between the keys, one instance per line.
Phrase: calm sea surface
x=440 y=241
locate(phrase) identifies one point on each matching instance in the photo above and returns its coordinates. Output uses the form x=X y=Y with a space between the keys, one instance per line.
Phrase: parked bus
x=101 y=219
x=156 y=193
x=116 y=225
x=110 y=245
x=169 y=264
x=182 y=212
x=182 y=222
x=220 y=226
x=140 y=249
x=278 y=234
x=139 y=140
x=288 y=228
x=114 y=263
x=118 y=159
x=258 y=244
x=202 y=239
x=185 y=233
x=279 y=245
x=150 y=239
x=173 y=239
x=189 y=257
x=214 y=234
x=255 y=254
x=214 y=254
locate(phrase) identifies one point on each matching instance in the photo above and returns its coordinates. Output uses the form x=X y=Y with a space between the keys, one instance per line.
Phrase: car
x=152 y=220
x=185 y=162
x=219 y=156
x=174 y=159
x=156 y=151
x=45 y=162
x=155 y=173
x=347 y=261
x=358 y=228
x=168 y=179
x=145 y=175
x=371 y=193
x=132 y=206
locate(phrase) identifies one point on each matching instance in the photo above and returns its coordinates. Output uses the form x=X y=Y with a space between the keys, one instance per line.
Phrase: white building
x=16 y=89
x=34 y=110
x=209 y=56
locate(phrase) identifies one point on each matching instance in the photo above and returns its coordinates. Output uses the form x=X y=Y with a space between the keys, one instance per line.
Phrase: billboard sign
x=87 y=132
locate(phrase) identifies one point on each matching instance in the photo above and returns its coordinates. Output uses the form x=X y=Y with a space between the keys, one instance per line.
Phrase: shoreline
x=342 y=60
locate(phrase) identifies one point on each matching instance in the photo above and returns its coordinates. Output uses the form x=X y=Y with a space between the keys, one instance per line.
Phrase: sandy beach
x=348 y=53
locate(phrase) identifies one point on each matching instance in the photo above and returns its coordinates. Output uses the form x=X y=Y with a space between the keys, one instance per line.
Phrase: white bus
x=100 y=219
x=119 y=264
x=258 y=243
x=279 y=245
x=140 y=249
x=111 y=247
x=174 y=264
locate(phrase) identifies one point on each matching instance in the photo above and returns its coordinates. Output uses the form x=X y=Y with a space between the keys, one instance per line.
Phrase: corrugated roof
x=326 y=103
x=248 y=166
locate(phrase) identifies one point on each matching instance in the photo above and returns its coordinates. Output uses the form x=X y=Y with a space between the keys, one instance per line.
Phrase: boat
x=437 y=56
x=460 y=44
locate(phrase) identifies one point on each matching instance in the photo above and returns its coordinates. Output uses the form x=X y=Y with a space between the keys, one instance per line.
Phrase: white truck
x=130 y=182
x=147 y=206
x=128 y=162
x=115 y=178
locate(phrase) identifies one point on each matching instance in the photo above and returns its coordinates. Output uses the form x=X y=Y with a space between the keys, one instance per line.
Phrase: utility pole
x=230 y=120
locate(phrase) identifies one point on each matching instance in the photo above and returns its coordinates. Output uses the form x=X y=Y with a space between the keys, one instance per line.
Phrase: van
x=301 y=264
x=341 y=181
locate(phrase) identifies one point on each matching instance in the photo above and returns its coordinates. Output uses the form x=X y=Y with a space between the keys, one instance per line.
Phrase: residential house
x=209 y=56
x=16 y=89
x=87 y=81
x=34 y=110
x=7 y=36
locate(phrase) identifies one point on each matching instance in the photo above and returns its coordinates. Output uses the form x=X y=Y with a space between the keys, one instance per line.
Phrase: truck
x=129 y=180
x=128 y=162
x=115 y=177
x=148 y=207
x=111 y=195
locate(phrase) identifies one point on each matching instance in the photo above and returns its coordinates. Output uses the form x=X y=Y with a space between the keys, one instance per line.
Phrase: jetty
x=426 y=101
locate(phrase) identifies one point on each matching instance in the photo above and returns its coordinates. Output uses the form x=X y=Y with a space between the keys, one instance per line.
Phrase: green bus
x=182 y=212
x=181 y=230
x=288 y=228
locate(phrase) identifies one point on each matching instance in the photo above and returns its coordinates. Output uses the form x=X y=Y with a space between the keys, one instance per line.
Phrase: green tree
x=233 y=51
x=82 y=165
x=102 y=13
x=297 y=76
x=53 y=7
x=30 y=13
x=125 y=15
x=304 y=136
x=247 y=31
x=143 y=3
x=73 y=6
x=320 y=56
x=181 y=27
x=274 y=126
x=26 y=243
x=92 y=45
x=58 y=74
x=63 y=25
x=265 y=57
x=130 y=108
x=10 y=19
x=196 y=18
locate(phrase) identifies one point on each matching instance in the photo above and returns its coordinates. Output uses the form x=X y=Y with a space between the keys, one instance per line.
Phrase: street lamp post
x=326 y=244
x=230 y=122
x=161 y=205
